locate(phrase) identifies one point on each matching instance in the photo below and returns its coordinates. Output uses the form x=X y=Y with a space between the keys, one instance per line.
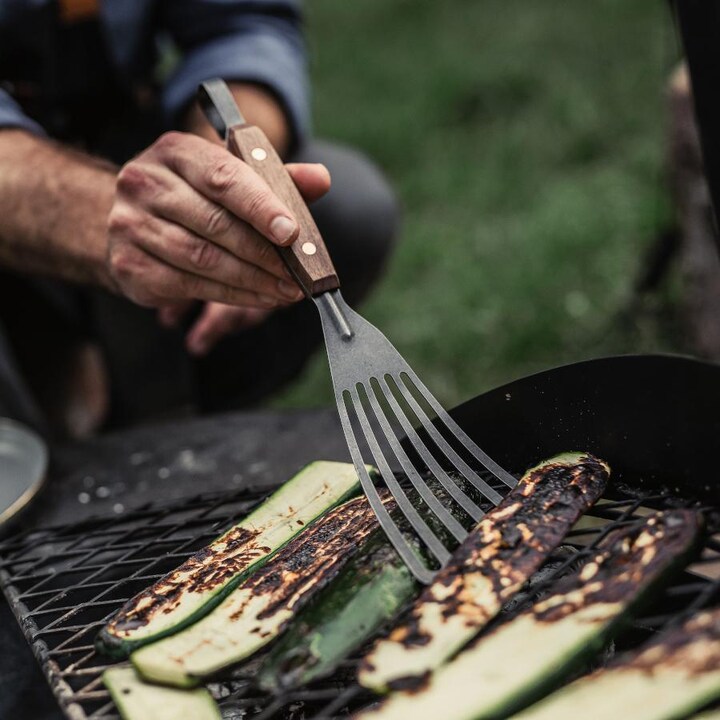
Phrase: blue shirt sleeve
x=12 y=116
x=257 y=41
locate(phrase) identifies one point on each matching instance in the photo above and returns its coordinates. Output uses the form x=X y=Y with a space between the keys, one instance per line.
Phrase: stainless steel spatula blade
x=381 y=402
x=389 y=417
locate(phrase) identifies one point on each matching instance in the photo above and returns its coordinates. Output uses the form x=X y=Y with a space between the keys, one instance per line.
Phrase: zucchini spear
x=201 y=582
x=670 y=677
x=522 y=659
x=506 y=547
x=259 y=609
x=138 y=700
x=373 y=588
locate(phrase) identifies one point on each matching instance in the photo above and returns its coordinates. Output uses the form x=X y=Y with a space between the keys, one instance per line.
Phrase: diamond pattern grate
x=64 y=583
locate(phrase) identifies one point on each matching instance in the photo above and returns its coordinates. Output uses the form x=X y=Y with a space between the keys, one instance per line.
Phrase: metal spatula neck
x=332 y=307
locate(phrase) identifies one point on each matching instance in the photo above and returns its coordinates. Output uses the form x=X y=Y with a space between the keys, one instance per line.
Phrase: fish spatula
x=382 y=403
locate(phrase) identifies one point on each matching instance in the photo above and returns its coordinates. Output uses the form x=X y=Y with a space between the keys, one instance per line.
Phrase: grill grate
x=64 y=583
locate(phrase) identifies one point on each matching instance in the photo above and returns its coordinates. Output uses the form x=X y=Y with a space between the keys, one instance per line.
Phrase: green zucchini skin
x=503 y=551
x=374 y=587
x=525 y=658
x=670 y=677
x=261 y=608
x=138 y=700
x=198 y=585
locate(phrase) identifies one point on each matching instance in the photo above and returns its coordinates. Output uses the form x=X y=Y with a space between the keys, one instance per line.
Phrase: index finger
x=228 y=181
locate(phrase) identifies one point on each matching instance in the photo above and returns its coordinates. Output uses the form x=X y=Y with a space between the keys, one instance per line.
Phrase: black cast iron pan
x=654 y=418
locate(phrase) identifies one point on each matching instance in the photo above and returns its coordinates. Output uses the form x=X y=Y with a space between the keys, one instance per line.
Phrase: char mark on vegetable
x=644 y=550
x=204 y=571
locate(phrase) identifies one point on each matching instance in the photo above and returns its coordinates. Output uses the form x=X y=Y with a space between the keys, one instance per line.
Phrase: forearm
x=54 y=205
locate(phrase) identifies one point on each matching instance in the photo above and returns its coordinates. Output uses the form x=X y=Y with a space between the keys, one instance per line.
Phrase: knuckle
x=120 y=262
x=266 y=284
x=168 y=142
x=126 y=264
x=232 y=296
x=257 y=203
x=164 y=285
x=126 y=224
x=133 y=179
x=191 y=286
x=266 y=254
x=222 y=176
x=219 y=222
x=203 y=255
x=119 y=220
x=254 y=279
x=225 y=294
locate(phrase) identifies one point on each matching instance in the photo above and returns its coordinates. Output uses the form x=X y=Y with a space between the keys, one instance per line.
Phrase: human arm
x=54 y=205
x=174 y=234
x=264 y=46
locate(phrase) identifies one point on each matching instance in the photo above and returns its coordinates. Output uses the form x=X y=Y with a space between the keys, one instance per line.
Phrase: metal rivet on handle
x=309 y=248
x=258 y=153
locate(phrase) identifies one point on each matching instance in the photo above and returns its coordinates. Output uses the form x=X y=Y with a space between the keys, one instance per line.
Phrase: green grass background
x=525 y=139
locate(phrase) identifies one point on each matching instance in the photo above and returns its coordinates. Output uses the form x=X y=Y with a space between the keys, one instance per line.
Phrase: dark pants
x=151 y=375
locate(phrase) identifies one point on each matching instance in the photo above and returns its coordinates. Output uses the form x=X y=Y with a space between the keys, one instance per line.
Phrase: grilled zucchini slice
x=201 y=582
x=138 y=700
x=506 y=547
x=372 y=589
x=259 y=609
x=670 y=677
x=522 y=659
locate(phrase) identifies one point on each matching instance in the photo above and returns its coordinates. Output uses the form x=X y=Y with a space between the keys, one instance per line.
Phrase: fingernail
x=283 y=229
x=289 y=290
x=268 y=301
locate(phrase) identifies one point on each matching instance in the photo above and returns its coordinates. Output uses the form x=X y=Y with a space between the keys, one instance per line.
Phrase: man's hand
x=188 y=221
x=192 y=222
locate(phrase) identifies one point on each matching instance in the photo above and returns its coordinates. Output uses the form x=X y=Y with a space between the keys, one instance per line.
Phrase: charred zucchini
x=201 y=582
x=372 y=589
x=670 y=677
x=524 y=658
x=259 y=609
x=138 y=700
x=506 y=547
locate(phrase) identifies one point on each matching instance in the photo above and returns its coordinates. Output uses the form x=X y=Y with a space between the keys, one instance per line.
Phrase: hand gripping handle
x=307 y=258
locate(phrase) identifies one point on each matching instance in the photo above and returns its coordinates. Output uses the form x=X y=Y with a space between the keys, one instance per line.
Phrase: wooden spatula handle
x=307 y=258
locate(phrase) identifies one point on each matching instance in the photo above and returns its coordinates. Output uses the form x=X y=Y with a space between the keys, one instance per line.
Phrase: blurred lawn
x=525 y=140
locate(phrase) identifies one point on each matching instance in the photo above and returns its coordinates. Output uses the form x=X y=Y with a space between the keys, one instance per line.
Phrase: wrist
x=54 y=208
x=95 y=190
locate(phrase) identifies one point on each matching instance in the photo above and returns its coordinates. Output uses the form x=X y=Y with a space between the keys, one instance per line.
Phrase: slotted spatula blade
x=383 y=406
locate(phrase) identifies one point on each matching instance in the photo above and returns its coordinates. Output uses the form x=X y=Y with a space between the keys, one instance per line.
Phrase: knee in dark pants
x=359 y=218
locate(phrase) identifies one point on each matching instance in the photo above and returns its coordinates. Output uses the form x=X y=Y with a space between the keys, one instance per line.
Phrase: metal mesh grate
x=64 y=583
